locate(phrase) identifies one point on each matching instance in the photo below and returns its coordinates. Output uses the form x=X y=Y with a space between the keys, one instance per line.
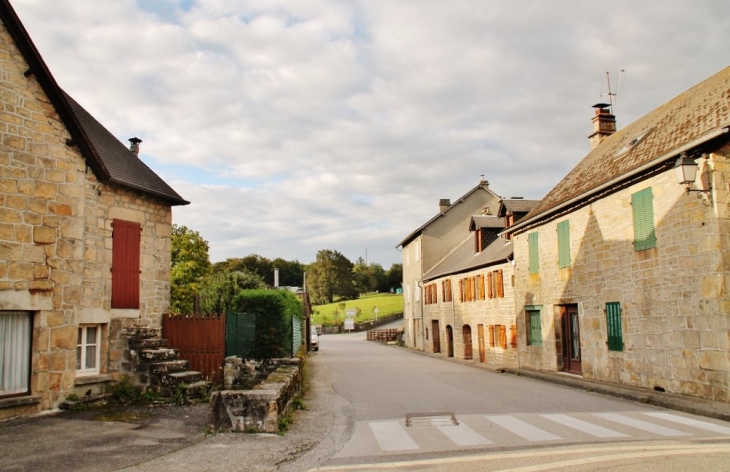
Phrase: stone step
x=187 y=377
x=197 y=389
x=158 y=355
x=140 y=344
x=168 y=367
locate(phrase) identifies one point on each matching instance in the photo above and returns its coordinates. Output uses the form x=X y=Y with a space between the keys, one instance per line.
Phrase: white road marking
x=521 y=428
x=716 y=428
x=584 y=426
x=643 y=425
x=391 y=436
x=461 y=435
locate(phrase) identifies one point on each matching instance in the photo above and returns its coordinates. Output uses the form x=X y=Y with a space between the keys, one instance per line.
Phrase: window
x=642 y=205
x=613 y=323
x=15 y=344
x=125 y=264
x=532 y=249
x=88 y=349
x=534 y=325
x=417 y=251
x=564 y=244
x=408 y=293
x=446 y=289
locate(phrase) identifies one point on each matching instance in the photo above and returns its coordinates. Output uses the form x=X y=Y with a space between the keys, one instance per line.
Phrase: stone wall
x=673 y=297
x=261 y=408
x=487 y=312
x=55 y=240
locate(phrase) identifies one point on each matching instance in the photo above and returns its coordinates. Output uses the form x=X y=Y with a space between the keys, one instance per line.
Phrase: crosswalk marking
x=521 y=428
x=461 y=434
x=584 y=426
x=643 y=425
x=716 y=428
x=391 y=436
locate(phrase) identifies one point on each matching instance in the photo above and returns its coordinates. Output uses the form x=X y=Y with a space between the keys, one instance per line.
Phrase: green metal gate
x=296 y=338
x=240 y=334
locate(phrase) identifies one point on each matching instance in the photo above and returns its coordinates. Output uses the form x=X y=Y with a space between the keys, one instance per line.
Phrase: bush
x=274 y=310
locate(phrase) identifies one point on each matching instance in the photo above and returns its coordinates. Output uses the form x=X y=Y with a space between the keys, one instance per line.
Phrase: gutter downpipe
x=701 y=140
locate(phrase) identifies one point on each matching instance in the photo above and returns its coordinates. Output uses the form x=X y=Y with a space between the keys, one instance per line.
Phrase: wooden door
x=449 y=341
x=480 y=339
x=571 y=340
x=468 y=352
x=436 y=335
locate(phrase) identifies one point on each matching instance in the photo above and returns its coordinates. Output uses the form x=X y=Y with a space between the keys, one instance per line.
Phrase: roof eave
x=522 y=225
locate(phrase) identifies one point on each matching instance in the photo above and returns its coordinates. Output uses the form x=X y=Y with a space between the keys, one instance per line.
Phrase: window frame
x=642 y=209
x=20 y=363
x=533 y=252
x=533 y=318
x=563 y=230
x=82 y=346
x=614 y=328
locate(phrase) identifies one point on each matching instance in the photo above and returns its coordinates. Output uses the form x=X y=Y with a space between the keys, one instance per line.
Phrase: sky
x=301 y=125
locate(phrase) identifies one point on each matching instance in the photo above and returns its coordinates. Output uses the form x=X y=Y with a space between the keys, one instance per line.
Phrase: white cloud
x=294 y=126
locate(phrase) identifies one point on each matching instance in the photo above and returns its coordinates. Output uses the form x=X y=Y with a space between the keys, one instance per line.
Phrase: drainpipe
x=420 y=305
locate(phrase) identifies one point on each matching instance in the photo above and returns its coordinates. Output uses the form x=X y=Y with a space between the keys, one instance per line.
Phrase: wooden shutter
x=513 y=335
x=500 y=283
x=533 y=248
x=535 y=327
x=642 y=206
x=613 y=325
x=502 y=336
x=564 y=244
x=490 y=292
x=126 y=237
x=491 y=335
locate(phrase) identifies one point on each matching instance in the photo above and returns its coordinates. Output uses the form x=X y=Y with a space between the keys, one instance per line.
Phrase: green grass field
x=332 y=314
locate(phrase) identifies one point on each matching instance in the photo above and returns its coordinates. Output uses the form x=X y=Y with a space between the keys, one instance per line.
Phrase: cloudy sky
x=300 y=125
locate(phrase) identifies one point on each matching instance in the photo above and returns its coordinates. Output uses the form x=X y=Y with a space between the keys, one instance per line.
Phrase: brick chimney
x=134 y=145
x=604 y=124
x=444 y=203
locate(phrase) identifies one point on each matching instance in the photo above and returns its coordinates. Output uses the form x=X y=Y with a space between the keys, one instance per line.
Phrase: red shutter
x=125 y=264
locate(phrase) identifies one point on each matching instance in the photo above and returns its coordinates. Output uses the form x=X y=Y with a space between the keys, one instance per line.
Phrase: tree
x=395 y=276
x=363 y=277
x=291 y=273
x=330 y=276
x=189 y=264
x=220 y=288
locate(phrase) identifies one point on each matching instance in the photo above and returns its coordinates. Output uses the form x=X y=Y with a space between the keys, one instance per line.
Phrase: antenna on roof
x=612 y=96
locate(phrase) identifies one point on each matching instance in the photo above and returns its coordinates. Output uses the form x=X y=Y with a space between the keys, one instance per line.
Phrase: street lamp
x=686 y=171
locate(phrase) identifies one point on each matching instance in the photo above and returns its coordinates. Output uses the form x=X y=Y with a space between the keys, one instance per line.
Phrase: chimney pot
x=444 y=203
x=604 y=124
x=134 y=145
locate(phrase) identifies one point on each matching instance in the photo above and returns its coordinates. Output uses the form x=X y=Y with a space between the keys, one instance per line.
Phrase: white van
x=314 y=337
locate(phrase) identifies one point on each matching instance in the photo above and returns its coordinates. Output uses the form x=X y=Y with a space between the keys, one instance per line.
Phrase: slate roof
x=516 y=205
x=109 y=159
x=123 y=166
x=414 y=234
x=697 y=115
x=464 y=259
x=485 y=221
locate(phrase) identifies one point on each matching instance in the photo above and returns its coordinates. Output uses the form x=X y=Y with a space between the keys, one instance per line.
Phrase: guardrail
x=383 y=335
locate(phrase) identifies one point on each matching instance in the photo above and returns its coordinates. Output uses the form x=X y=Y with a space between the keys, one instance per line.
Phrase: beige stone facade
x=482 y=327
x=56 y=245
x=656 y=315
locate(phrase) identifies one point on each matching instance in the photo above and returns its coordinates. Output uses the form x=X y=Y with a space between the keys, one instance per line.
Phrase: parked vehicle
x=314 y=337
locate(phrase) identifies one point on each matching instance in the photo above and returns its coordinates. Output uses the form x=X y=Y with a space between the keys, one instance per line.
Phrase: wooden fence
x=383 y=335
x=200 y=339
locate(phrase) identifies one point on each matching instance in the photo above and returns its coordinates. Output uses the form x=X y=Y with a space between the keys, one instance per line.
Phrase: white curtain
x=15 y=339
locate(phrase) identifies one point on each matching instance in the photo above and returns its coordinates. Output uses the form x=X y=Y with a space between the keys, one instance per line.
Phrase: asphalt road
x=398 y=409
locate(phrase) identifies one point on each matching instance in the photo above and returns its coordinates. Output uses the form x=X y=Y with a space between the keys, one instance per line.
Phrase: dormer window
x=635 y=141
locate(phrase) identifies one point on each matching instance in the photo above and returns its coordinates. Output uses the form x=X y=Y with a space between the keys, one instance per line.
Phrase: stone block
x=40 y=285
x=9 y=215
x=715 y=360
x=64 y=337
x=44 y=235
x=45 y=190
x=61 y=209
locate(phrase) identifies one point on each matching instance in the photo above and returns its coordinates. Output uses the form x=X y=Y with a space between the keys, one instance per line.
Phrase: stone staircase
x=157 y=367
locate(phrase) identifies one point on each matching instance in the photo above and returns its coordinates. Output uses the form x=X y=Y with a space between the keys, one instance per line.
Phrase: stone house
x=469 y=296
x=84 y=237
x=429 y=244
x=621 y=274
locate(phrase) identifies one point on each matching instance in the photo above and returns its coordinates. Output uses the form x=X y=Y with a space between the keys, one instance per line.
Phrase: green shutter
x=642 y=205
x=533 y=248
x=564 y=244
x=535 y=328
x=613 y=323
